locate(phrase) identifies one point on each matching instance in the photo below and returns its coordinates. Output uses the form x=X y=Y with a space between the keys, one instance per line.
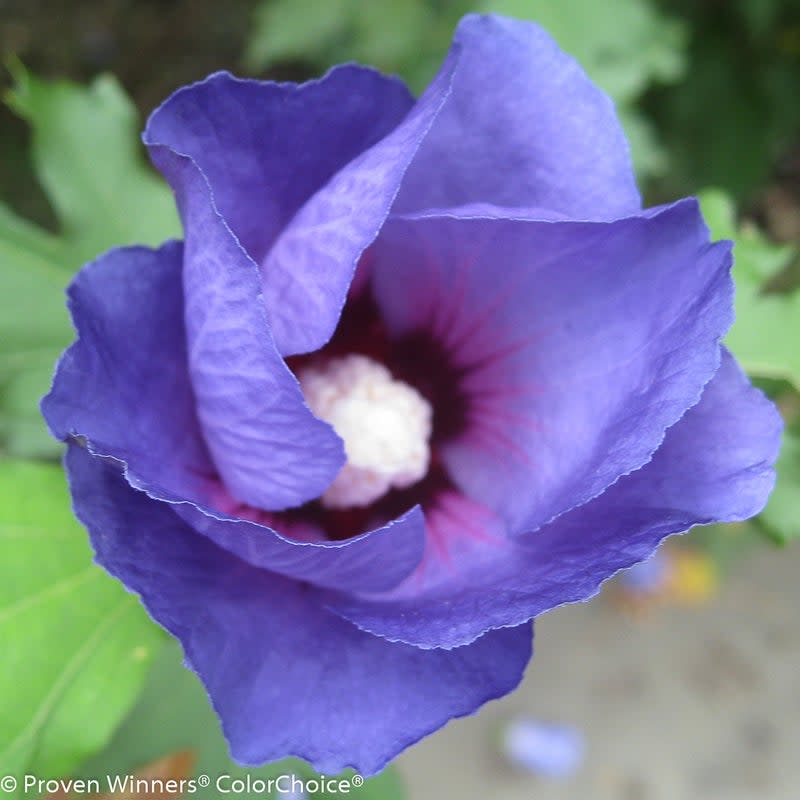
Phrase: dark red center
x=417 y=359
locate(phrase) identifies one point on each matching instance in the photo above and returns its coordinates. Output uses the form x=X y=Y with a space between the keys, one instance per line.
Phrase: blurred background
x=683 y=679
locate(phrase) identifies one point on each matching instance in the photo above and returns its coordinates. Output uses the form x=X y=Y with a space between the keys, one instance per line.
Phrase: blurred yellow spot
x=693 y=578
x=685 y=577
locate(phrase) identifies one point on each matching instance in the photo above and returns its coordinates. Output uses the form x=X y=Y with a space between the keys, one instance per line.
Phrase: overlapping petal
x=309 y=270
x=715 y=465
x=259 y=143
x=286 y=676
x=124 y=384
x=374 y=561
x=124 y=387
x=523 y=126
x=267 y=446
x=303 y=175
x=578 y=344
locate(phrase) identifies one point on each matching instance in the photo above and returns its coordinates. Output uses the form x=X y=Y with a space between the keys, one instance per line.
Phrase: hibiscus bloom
x=419 y=371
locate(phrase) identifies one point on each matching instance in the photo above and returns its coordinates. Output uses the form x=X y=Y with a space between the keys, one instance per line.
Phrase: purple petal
x=715 y=465
x=285 y=676
x=124 y=384
x=578 y=343
x=258 y=145
x=268 y=447
x=523 y=126
x=308 y=271
x=375 y=561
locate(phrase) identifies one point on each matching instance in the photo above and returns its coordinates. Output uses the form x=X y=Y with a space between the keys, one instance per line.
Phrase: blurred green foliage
x=764 y=338
x=767 y=328
x=88 y=158
x=407 y=37
x=781 y=517
x=76 y=646
x=736 y=110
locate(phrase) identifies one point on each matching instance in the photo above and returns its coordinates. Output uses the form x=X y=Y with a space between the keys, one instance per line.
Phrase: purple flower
x=523 y=367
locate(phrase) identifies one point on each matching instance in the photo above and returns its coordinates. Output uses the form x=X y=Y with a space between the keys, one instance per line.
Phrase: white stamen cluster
x=385 y=425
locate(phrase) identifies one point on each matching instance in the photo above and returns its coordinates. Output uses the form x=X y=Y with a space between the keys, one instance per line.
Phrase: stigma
x=385 y=425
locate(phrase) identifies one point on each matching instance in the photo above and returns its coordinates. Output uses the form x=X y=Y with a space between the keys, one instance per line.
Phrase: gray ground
x=686 y=704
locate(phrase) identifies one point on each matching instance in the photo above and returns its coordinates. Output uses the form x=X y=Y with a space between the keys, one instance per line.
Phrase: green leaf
x=767 y=328
x=782 y=514
x=719 y=213
x=764 y=338
x=32 y=280
x=76 y=646
x=21 y=426
x=391 y=34
x=89 y=160
x=34 y=329
x=294 y=29
x=408 y=37
x=174 y=714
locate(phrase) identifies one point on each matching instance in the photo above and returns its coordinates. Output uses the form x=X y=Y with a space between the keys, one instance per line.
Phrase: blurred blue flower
x=547 y=749
x=420 y=371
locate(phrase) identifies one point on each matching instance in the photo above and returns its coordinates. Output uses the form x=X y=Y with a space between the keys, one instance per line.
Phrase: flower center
x=385 y=425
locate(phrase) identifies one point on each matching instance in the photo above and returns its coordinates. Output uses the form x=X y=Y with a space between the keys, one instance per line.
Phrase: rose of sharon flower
x=419 y=371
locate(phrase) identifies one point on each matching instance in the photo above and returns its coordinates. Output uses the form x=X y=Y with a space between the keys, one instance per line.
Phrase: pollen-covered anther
x=385 y=425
